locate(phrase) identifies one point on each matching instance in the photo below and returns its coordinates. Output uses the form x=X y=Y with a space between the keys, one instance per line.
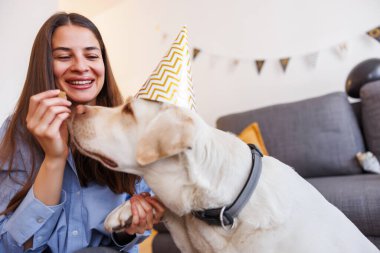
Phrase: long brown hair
x=40 y=78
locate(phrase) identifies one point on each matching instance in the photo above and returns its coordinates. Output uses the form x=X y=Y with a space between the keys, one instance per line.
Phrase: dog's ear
x=168 y=134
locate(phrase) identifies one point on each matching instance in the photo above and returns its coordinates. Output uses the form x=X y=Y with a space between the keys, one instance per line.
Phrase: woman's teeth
x=80 y=82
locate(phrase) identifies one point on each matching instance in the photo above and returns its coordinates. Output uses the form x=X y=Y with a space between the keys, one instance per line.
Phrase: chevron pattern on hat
x=171 y=81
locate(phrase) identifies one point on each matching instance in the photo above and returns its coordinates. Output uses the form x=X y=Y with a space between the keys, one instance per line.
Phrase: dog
x=191 y=166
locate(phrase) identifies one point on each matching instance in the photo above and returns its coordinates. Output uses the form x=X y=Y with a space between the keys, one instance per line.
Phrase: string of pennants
x=311 y=58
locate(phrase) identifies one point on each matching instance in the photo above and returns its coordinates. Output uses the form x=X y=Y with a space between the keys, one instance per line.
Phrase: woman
x=52 y=197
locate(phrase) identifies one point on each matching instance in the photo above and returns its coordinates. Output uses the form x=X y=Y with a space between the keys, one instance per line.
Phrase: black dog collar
x=225 y=216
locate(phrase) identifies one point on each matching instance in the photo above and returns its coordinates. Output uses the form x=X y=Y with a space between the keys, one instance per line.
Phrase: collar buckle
x=224 y=226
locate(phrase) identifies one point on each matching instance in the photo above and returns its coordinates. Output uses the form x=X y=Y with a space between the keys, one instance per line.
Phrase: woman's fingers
x=45 y=120
x=158 y=207
x=132 y=229
x=52 y=115
x=141 y=224
x=139 y=202
x=135 y=212
x=145 y=194
x=56 y=124
x=45 y=112
x=36 y=99
x=148 y=211
x=45 y=106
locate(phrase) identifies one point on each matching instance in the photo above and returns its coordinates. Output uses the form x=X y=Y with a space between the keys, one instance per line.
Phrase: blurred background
x=318 y=43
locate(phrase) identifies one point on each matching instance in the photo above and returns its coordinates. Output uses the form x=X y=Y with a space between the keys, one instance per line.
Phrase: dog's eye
x=128 y=109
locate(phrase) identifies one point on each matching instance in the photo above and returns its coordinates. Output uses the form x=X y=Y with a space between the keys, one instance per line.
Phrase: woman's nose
x=79 y=65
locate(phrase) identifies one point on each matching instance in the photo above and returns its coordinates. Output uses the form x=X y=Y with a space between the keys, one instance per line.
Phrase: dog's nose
x=80 y=109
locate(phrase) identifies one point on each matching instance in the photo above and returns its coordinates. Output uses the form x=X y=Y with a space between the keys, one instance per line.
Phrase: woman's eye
x=63 y=57
x=92 y=57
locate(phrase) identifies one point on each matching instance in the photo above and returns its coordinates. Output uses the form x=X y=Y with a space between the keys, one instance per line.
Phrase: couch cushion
x=357 y=196
x=252 y=135
x=370 y=96
x=318 y=136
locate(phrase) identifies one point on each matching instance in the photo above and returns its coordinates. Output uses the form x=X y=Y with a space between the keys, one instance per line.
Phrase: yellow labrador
x=191 y=166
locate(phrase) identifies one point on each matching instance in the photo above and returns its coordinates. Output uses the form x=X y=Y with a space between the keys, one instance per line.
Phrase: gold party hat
x=171 y=81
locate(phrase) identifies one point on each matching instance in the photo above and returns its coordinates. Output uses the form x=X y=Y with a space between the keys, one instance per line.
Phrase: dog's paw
x=119 y=218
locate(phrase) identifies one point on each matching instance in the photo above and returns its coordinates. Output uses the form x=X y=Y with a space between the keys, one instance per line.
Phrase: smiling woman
x=44 y=179
x=78 y=63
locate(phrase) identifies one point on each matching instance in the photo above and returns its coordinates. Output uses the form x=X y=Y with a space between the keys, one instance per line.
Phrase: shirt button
x=40 y=219
x=39 y=238
x=78 y=193
x=75 y=232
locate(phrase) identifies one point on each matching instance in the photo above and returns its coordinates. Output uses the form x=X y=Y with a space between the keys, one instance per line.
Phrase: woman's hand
x=146 y=211
x=46 y=121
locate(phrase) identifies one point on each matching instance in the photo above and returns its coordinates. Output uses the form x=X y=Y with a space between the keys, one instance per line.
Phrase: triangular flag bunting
x=196 y=51
x=233 y=64
x=284 y=63
x=342 y=49
x=259 y=65
x=375 y=33
x=311 y=59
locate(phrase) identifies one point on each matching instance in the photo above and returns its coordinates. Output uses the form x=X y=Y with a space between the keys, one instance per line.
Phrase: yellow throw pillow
x=251 y=134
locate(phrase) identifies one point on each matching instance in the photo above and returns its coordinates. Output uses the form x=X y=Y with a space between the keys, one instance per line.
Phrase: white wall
x=246 y=30
x=19 y=23
x=243 y=29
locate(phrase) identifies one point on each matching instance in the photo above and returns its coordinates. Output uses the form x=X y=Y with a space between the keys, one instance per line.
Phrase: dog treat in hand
x=62 y=94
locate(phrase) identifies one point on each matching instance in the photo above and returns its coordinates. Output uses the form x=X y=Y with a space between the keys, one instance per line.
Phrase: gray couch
x=319 y=138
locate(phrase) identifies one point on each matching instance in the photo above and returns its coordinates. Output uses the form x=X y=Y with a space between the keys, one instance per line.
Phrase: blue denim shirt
x=75 y=223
